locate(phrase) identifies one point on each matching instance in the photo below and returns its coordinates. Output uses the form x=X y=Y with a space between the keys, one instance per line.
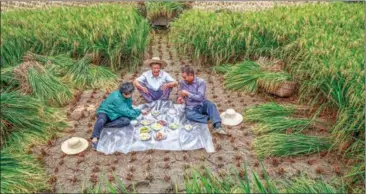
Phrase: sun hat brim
x=162 y=63
x=84 y=145
x=236 y=120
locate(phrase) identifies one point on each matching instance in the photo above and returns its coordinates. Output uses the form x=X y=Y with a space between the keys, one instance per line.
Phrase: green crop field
x=51 y=57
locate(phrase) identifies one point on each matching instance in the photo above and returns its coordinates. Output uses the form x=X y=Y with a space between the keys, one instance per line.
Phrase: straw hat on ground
x=162 y=63
x=231 y=118
x=74 y=145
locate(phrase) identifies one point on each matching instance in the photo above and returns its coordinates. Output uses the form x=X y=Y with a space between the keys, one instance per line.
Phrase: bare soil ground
x=163 y=171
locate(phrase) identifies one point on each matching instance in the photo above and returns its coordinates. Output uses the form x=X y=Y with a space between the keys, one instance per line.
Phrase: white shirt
x=155 y=83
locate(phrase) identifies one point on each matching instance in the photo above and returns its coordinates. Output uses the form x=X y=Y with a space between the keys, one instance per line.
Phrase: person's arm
x=200 y=94
x=171 y=81
x=180 y=98
x=139 y=80
x=125 y=110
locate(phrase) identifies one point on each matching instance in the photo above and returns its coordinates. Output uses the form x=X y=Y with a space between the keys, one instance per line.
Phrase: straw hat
x=74 y=145
x=162 y=63
x=230 y=117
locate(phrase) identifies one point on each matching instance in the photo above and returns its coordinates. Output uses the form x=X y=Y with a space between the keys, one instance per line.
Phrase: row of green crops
x=115 y=35
x=321 y=46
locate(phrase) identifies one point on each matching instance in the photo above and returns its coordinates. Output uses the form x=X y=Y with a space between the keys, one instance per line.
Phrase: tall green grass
x=320 y=45
x=116 y=34
x=167 y=9
x=276 y=144
x=25 y=120
x=21 y=174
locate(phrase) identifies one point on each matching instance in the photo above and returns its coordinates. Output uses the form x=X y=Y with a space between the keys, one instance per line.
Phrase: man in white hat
x=193 y=94
x=155 y=84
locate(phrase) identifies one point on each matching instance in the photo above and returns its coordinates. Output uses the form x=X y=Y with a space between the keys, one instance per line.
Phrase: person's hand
x=180 y=100
x=144 y=111
x=184 y=93
x=166 y=86
x=144 y=89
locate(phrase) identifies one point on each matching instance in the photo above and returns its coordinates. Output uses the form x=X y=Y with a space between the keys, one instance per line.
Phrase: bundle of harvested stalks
x=57 y=65
x=268 y=110
x=83 y=74
x=275 y=144
x=21 y=74
x=36 y=80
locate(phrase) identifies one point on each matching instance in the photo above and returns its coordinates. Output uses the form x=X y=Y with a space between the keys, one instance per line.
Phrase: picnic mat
x=127 y=139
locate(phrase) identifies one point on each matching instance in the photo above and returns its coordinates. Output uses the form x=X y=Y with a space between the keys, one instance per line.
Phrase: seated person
x=155 y=84
x=115 y=111
x=197 y=107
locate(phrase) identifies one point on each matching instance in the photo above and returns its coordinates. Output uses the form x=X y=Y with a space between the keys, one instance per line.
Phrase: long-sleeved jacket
x=116 y=105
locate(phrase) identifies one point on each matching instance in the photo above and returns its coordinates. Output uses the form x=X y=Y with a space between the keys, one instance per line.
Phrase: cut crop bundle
x=34 y=79
x=21 y=173
x=276 y=144
x=250 y=76
x=24 y=116
x=260 y=113
x=281 y=124
x=83 y=74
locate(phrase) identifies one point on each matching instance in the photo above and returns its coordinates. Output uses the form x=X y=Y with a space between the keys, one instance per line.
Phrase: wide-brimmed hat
x=74 y=145
x=162 y=63
x=230 y=117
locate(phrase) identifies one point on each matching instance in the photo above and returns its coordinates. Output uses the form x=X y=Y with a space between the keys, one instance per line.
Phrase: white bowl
x=134 y=122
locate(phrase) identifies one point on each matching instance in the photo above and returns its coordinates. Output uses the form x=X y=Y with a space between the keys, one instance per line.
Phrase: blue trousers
x=202 y=114
x=104 y=121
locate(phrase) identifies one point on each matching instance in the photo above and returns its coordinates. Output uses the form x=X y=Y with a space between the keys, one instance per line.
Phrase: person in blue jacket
x=115 y=111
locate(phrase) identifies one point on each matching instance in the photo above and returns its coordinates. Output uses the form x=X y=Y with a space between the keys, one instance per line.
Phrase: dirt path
x=162 y=171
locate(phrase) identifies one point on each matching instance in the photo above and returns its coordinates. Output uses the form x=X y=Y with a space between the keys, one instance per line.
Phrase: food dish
x=144 y=130
x=146 y=122
x=173 y=126
x=145 y=136
x=155 y=113
x=162 y=122
x=134 y=122
x=188 y=127
x=157 y=126
x=145 y=111
x=160 y=136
